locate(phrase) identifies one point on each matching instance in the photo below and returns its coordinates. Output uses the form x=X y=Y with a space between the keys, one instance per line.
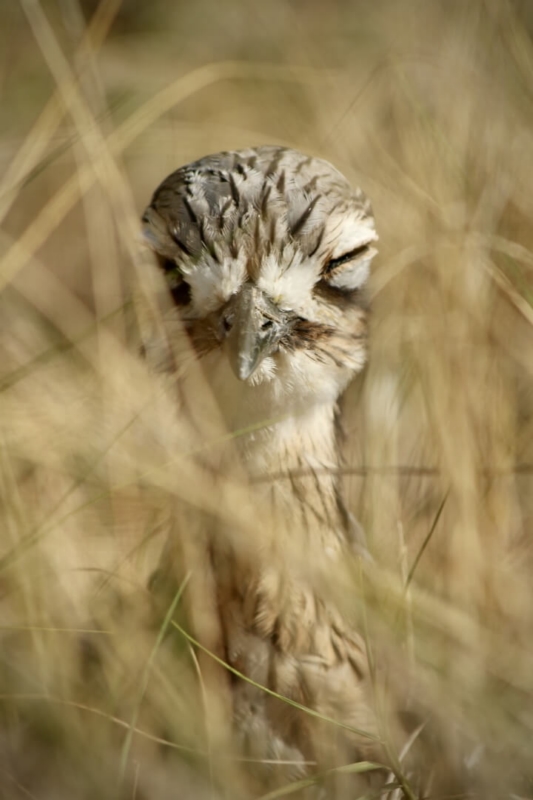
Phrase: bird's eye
x=227 y=323
x=180 y=290
x=181 y=294
x=166 y=264
x=267 y=325
x=344 y=259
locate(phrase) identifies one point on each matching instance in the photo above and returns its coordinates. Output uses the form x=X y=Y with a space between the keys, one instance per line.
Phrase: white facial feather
x=289 y=287
x=345 y=232
x=212 y=282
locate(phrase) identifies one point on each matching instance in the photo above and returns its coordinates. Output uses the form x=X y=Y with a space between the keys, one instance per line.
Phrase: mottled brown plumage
x=266 y=252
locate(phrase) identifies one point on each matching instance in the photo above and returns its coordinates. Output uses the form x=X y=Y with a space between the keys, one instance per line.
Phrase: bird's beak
x=257 y=325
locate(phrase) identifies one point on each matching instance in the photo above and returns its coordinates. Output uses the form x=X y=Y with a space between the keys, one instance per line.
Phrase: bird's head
x=266 y=252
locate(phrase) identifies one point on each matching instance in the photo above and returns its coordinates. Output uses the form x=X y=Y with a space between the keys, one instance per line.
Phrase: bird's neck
x=298 y=443
x=294 y=467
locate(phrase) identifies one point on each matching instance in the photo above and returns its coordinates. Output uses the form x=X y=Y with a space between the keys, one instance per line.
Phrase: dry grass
x=428 y=106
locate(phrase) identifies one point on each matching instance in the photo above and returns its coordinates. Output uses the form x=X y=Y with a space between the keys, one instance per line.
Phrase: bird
x=266 y=252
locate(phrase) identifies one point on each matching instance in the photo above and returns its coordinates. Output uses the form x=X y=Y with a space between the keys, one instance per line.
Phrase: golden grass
x=427 y=106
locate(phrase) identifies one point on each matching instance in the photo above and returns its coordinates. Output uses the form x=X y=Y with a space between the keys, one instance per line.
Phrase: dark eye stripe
x=180 y=290
x=166 y=264
x=337 y=262
x=181 y=294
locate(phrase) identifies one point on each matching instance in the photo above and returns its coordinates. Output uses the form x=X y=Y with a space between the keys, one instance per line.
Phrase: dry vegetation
x=429 y=107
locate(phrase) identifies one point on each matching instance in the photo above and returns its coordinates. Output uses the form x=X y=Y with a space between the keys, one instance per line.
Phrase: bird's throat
x=300 y=443
x=294 y=468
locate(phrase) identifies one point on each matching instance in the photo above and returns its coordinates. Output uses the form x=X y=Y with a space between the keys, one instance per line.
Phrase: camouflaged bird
x=266 y=252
